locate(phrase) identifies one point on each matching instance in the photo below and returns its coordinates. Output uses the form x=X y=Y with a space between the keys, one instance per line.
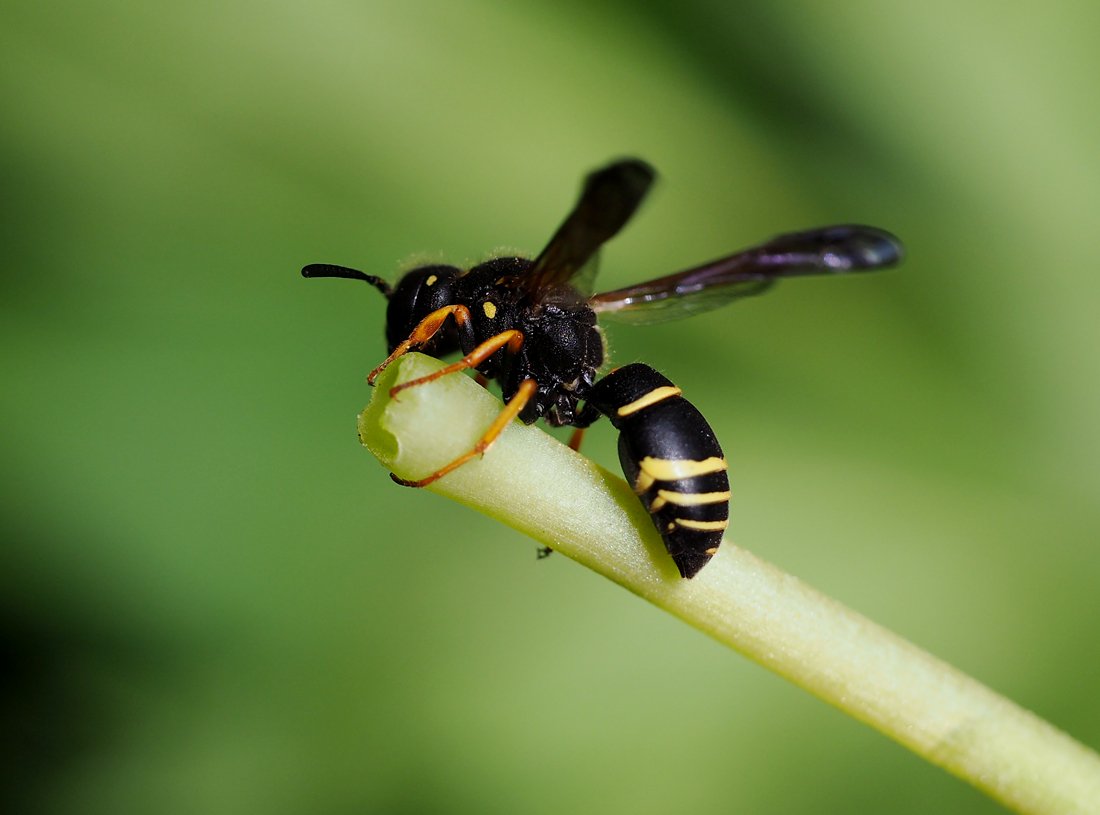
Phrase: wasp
x=531 y=325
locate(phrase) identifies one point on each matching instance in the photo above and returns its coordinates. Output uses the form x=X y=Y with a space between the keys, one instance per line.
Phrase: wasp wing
x=609 y=198
x=828 y=250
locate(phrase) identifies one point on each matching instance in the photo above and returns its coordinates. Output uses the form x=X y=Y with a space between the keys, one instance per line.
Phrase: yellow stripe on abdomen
x=674 y=469
x=687 y=499
x=653 y=397
x=701 y=526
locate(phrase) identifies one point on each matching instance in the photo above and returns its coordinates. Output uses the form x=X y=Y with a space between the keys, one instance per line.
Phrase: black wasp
x=531 y=325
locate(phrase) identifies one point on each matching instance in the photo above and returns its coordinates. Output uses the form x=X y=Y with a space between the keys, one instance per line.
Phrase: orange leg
x=427 y=328
x=526 y=390
x=482 y=380
x=511 y=338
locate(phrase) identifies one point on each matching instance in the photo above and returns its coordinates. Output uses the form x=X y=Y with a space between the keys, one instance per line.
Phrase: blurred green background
x=215 y=601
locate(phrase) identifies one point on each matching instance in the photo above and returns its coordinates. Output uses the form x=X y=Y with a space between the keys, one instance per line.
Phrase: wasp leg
x=424 y=331
x=482 y=380
x=527 y=389
x=510 y=339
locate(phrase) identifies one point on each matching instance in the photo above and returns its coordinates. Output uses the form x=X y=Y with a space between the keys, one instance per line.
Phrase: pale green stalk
x=535 y=484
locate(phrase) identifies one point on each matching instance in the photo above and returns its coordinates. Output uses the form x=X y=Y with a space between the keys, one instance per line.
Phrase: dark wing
x=609 y=198
x=828 y=250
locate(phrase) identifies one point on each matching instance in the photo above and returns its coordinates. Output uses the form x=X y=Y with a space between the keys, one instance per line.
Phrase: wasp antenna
x=332 y=270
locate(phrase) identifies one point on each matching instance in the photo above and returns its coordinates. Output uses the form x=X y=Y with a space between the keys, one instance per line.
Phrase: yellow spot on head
x=490 y=309
x=712 y=551
x=431 y=280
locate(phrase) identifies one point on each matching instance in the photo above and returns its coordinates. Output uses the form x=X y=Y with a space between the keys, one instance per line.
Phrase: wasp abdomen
x=671 y=458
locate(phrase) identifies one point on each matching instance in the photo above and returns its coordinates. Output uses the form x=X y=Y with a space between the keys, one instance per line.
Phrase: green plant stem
x=535 y=484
